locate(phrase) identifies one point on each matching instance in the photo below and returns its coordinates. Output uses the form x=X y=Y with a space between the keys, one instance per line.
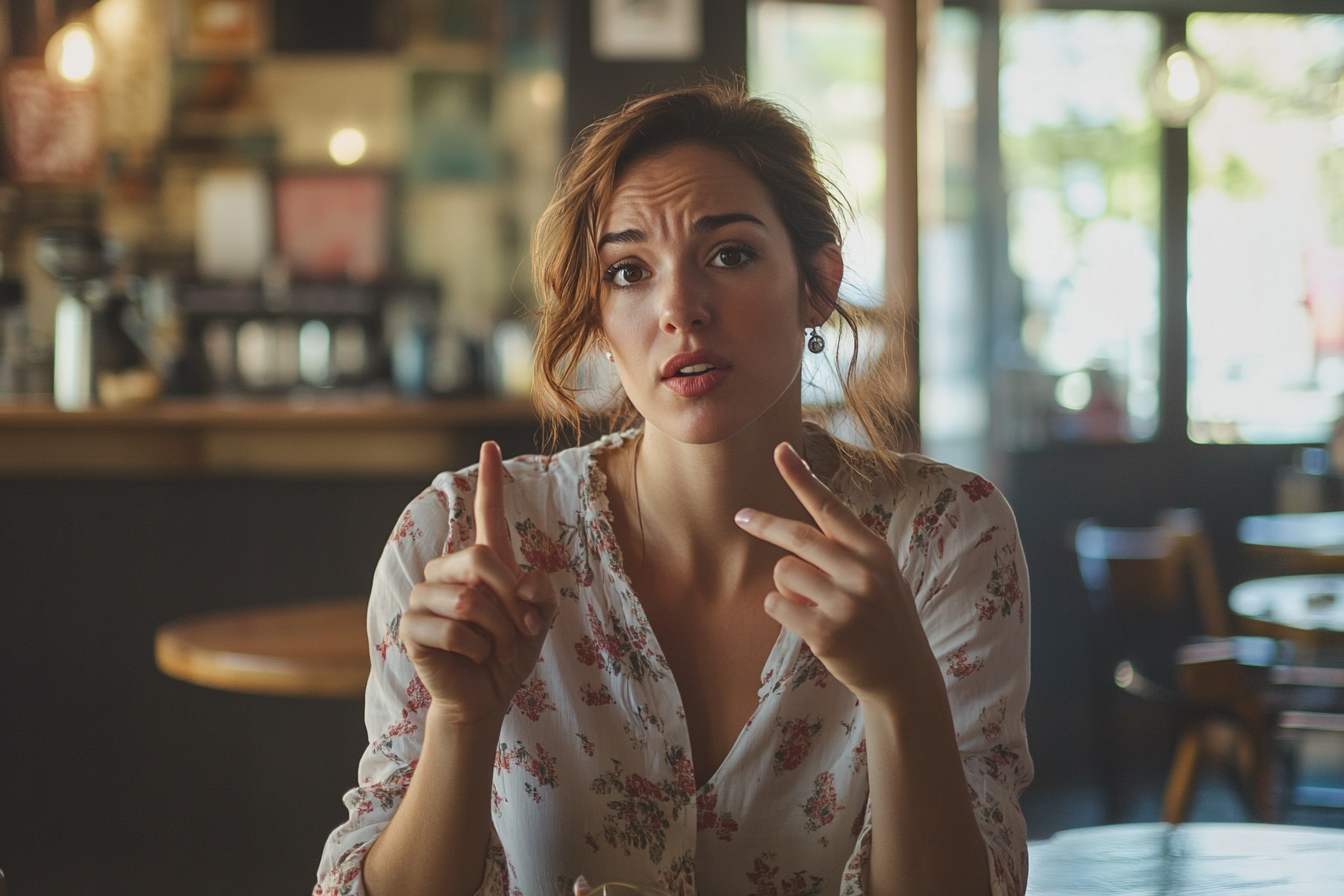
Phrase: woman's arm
x=437 y=840
x=444 y=676
x=843 y=593
x=924 y=836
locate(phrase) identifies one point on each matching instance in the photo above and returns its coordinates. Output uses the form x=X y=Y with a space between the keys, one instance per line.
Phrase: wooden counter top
x=317 y=436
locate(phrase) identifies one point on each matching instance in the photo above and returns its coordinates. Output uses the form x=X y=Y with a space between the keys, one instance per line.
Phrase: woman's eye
x=625 y=274
x=731 y=256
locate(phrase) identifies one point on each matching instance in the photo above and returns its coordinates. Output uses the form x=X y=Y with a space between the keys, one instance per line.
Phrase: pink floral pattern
x=795 y=742
x=708 y=818
x=595 y=752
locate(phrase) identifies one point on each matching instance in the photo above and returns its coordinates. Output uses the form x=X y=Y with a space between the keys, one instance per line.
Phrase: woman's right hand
x=476 y=625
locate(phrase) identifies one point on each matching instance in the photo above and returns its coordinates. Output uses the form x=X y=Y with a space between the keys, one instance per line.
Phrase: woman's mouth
x=696 y=379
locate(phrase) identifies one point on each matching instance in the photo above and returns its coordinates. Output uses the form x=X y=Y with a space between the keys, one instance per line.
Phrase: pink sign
x=51 y=131
x=333 y=226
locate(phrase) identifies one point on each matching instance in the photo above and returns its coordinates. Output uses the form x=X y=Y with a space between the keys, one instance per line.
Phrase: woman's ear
x=829 y=264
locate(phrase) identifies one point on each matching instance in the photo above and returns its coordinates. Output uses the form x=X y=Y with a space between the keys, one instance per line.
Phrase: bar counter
x=292 y=437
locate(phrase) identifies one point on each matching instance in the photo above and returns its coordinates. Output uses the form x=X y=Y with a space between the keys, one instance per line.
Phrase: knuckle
x=865 y=581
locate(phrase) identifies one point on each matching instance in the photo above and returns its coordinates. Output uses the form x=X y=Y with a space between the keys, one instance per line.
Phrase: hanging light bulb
x=1179 y=85
x=347 y=146
x=73 y=55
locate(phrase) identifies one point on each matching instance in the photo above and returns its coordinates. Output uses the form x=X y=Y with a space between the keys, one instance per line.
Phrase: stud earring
x=816 y=343
x=610 y=357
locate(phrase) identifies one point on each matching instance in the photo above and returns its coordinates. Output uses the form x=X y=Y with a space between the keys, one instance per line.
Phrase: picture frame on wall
x=647 y=30
x=212 y=28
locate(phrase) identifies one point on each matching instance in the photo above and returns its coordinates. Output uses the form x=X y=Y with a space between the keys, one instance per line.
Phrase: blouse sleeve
x=437 y=522
x=970 y=584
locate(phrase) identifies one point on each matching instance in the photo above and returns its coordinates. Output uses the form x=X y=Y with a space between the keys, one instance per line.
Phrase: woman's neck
x=676 y=502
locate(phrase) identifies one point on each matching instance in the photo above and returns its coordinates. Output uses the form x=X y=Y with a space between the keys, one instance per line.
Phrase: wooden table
x=1306 y=609
x=302 y=650
x=1295 y=542
x=1189 y=859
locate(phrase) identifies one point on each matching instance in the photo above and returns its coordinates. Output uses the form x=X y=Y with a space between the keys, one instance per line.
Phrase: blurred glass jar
x=13 y=338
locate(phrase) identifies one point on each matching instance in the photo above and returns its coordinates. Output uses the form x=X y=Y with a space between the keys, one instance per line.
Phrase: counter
x=291 y=437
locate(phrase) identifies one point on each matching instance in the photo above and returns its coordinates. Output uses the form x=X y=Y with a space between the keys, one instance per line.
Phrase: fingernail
x=802 y=460
x=581 y=886
x=532 y=622
x=743 y=517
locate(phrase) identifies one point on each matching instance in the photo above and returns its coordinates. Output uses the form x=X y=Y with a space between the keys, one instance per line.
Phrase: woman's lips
x=697 y=385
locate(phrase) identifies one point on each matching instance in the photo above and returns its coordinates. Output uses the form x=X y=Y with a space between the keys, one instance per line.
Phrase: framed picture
x=333 y=226
x=51 y=131
x=222 y=27
x=646 y=30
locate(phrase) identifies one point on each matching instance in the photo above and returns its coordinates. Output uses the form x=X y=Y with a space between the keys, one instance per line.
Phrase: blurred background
x=264 y=270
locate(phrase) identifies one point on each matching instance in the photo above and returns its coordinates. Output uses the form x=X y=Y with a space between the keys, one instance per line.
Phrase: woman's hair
x=777 y=150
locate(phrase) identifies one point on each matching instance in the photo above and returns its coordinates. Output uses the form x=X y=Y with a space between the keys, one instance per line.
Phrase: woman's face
x=702 y=304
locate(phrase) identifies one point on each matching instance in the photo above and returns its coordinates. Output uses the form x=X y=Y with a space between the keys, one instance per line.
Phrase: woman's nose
x=685 y=304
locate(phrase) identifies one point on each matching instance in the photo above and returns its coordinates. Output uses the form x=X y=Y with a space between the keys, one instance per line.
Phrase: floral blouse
x=594 y=774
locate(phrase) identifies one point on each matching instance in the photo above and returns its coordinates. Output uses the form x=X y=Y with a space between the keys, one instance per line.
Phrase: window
x=1266 y=250
x=1080 y=160
x=824 y=62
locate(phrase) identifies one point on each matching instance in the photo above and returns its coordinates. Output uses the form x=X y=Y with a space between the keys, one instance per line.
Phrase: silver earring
x=610 y=357
x=816 y=344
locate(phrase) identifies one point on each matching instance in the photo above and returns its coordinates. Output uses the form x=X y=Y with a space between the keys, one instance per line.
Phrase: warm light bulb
x=347 y=146
x=72 y=54
x=1182 y=77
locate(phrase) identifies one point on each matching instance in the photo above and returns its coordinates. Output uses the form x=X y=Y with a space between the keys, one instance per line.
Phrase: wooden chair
x=1139 y=581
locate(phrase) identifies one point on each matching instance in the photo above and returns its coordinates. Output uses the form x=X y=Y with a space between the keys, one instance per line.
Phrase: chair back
x=1146 y=569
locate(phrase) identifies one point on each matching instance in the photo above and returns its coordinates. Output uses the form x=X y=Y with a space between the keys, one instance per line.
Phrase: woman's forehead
x=685 y=179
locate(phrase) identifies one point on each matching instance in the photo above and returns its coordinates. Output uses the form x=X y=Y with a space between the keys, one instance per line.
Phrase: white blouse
x=594 y=774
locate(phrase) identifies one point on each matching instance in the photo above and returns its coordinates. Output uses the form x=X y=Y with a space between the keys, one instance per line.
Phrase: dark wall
x=593 y=88
x=117 y=779
x=120 y=780
x=1122 y=485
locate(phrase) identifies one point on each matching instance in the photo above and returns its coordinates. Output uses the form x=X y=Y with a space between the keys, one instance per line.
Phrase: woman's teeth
x=694 y=369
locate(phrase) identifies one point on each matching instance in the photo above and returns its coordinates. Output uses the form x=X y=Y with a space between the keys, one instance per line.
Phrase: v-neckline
x=783 y=651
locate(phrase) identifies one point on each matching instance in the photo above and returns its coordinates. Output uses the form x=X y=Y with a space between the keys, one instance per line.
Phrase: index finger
x=492 y=530
x=835 y=520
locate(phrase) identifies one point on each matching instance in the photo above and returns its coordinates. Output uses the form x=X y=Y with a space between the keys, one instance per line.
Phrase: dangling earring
x=816 y=344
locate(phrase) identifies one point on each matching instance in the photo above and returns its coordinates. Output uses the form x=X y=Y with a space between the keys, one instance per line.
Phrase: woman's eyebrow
x=624 y=236
x=714 y=222
x=702 y=225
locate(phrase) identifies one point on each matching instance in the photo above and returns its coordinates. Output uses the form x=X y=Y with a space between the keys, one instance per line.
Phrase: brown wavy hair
x=770 y=143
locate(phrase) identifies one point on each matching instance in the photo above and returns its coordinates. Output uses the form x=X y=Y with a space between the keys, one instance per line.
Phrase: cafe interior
x=264 y=271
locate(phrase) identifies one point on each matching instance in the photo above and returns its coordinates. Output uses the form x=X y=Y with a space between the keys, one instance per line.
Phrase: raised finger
x=426 y=629
x=835 y=519
x=480 y=608
x=797 y=538
x=492 y=529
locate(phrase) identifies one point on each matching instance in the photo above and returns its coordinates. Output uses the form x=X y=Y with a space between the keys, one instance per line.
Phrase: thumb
x=535 y=588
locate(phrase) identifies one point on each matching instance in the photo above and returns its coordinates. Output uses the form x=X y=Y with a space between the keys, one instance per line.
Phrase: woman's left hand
x=840 y=589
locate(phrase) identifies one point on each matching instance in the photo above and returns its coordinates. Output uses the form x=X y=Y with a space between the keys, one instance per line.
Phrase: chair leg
x=1181 y=779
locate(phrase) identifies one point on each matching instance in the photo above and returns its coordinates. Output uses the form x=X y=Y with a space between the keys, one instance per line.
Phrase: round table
x=1185 y=860
x=302 y=650
x=1296 y=542
x=1305 y=609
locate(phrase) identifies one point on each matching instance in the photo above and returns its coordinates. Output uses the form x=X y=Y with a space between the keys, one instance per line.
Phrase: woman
x=722 y=652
